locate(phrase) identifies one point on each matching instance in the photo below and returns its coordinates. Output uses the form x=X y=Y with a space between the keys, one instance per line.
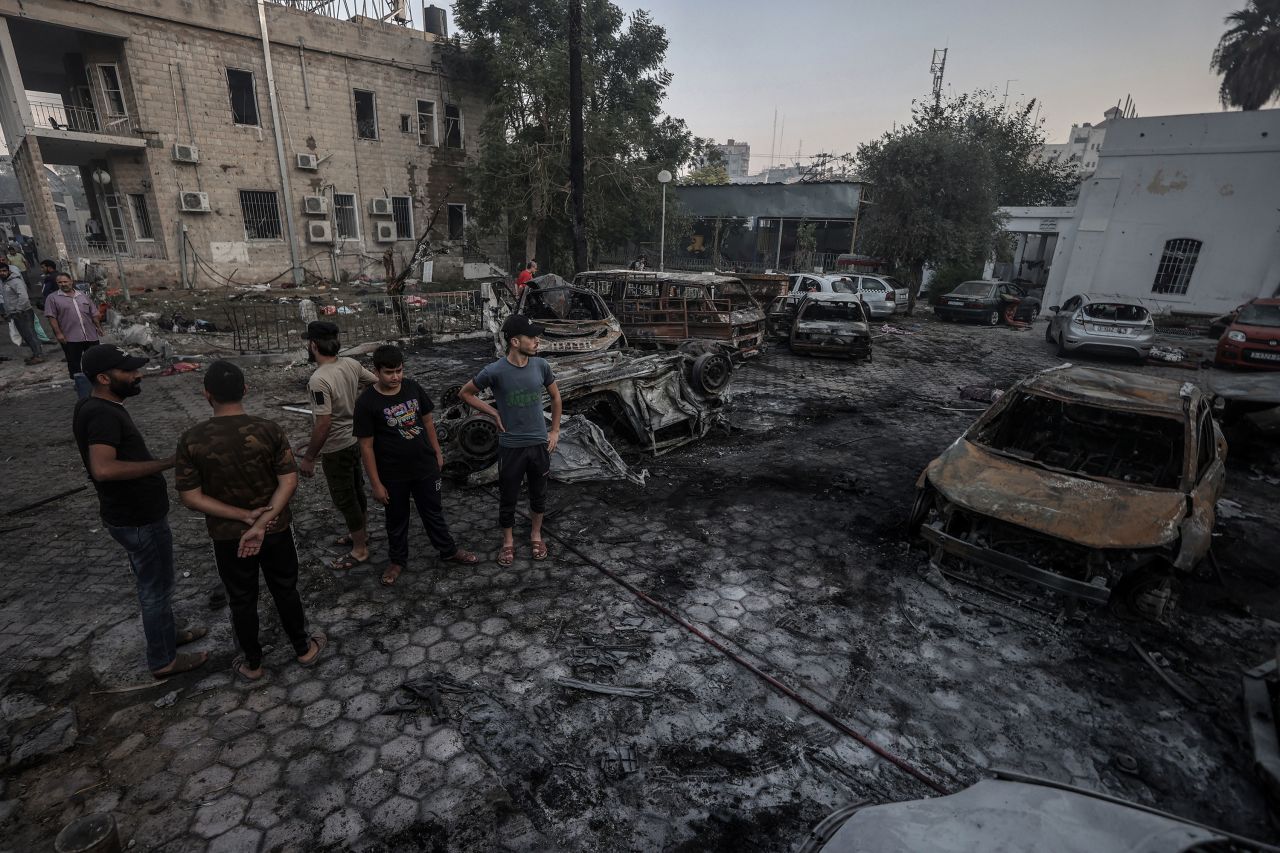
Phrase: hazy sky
x=843 y=71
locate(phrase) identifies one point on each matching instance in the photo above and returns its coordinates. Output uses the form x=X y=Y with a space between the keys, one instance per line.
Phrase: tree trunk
x=531 y=238
x=577 y=156
x=913 y=286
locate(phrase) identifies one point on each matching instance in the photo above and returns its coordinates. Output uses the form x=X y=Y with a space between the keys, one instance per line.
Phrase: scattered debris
x=1166 y=353
x=1158 y=663
x=619 y=761
x=43 y=501
x=980 y=394
x=606 y=689
x=426 y=695
x=167 y=700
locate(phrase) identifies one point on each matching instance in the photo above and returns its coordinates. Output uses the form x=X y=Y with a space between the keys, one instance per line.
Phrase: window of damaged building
x=112 y=90
x=426 y=122
x=452 y=126
x=402 y=212
x=244 y=97
x=457 y=222
x=1177 y=263
x=366 y=114
x=346 y=221
x=141 y=217
x=261 y=211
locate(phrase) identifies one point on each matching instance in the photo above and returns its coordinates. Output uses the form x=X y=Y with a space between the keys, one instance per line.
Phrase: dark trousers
x=517 y=465
x=73 y=350
x=278 y=563
x=26 y=323
x=426 y=495
x=150 y=550
x=345 y=476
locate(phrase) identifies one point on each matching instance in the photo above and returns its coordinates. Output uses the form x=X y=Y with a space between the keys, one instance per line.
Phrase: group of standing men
x=71 y=314
x=239 y=470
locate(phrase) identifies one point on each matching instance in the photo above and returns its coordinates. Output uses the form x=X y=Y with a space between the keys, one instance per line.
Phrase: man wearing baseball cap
x=334 y=388
x=134 y=499
x=524 y=444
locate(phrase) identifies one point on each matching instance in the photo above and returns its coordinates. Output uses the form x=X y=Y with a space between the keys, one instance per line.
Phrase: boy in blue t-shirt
x=524 y=443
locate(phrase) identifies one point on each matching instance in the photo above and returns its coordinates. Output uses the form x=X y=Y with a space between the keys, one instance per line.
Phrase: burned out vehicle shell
x=1081 y=500
x=667 y=309
x=851 y=338
x=576 y=320
x=658 y=401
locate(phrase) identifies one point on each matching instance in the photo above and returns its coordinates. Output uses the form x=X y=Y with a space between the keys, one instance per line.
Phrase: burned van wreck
x=1096 y=484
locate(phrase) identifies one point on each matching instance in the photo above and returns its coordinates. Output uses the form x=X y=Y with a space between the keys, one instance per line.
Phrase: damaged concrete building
x=233 y=138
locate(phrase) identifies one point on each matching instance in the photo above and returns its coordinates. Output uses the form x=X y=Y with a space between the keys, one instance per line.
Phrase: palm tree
x=1248 y=56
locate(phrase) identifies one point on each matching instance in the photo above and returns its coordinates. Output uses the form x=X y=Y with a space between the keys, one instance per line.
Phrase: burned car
x=655 y=401
x=576 y=320
x=1096 y=484
x=831 y=324
x=665 y=310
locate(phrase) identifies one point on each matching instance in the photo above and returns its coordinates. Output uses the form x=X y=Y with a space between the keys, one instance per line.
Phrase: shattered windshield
x=1260 y=315
x=839 y=312
x=563 y=303
x=972 y=288
x=1116 y=311
x=1090 y=440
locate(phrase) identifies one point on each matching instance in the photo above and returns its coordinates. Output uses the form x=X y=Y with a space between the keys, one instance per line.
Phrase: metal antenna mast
x=936 y=68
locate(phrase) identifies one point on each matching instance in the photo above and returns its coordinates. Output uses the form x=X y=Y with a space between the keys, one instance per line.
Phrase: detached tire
x=711 y=372
x=451 y=396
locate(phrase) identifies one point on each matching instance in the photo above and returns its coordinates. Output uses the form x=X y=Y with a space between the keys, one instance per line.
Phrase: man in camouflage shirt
x=239 y=471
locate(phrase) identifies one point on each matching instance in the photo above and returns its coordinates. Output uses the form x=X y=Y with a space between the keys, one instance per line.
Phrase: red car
x=1253 y=338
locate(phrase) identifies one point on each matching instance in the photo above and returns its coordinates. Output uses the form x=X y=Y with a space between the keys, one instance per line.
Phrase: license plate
x=1111 y=330
x=1253 y=355
x=954 y=302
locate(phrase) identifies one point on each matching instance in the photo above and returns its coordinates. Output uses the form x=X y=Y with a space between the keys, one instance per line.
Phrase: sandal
x=240 y=667
x=539 y=549
x=190 y=635
x=184 y=662
x=345 y=540
x=464 y=557
x=347 y=562
x=506 y=555
x=318 y=640
x=391 y=574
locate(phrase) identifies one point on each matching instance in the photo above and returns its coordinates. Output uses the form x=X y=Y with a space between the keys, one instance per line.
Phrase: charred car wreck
x=1097 y=484
x=831 y=324
x=576 y=320
x=657 y=402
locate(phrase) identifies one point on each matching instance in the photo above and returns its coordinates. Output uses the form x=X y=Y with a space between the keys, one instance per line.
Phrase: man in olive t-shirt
x=238 y=470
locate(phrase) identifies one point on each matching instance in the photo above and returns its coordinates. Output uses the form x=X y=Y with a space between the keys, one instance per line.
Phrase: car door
x=1209 y=479
x=1060 y=320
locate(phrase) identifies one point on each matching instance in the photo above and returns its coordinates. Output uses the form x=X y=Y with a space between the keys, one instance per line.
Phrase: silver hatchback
x=1103 y=325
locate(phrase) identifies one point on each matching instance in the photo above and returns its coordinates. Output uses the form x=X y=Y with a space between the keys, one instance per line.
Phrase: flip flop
x=319 y=640
x=348 y=562
x=391 y=574
x=345 y=540
x=240 y=668
x=462 y=556
x=539 y=549
x=184 y=662
x=190 y=635
x=506 y=555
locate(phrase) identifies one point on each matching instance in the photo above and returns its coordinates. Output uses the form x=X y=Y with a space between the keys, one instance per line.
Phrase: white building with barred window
x=1181 y=210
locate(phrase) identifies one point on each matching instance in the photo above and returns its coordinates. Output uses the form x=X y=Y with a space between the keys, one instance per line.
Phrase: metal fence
x=277 y=327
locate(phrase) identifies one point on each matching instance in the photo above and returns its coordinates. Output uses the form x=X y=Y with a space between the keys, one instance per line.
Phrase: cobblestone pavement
x=783 y=539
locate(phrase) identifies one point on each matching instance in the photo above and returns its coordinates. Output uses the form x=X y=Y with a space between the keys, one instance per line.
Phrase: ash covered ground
x=783 y=538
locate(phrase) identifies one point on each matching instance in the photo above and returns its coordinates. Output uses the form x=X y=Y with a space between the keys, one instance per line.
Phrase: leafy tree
x=520 y=175
x=1248 y=56
x=937 y=183
x=711 y=174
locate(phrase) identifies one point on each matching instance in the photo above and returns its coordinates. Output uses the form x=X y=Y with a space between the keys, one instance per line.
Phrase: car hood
x=831 y=327
x=1256 y=333
x=1088 y=512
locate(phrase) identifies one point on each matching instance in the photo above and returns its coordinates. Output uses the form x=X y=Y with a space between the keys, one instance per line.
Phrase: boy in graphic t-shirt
x=402 y=456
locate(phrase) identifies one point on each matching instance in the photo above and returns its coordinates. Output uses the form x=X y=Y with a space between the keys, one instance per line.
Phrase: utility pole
x=577 y=156
x=937 y=68
x=1006 y=91
x=773 y=142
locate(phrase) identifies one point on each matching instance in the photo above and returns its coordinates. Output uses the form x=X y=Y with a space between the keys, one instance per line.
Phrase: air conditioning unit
x=185 y=153
x=193 y=202
x=310 y=162
x=320 y=232
x=316 y=205
x=384 y=232
x=380 y=206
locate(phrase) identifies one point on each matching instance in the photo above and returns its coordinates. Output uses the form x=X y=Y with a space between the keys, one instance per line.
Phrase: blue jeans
x=151 y=555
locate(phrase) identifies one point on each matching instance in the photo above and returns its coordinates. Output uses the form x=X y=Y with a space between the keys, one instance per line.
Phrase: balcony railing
x=80 y=119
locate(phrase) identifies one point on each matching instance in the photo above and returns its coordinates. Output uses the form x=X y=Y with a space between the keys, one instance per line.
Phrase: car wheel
x=451 y=396
x=1061 y=348
x=919 y=510
x=1048 y=333
x=711 y=372
x=993 y=319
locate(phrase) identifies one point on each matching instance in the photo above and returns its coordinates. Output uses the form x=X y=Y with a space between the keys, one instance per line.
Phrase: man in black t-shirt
x=402 y=455
x=134 y=500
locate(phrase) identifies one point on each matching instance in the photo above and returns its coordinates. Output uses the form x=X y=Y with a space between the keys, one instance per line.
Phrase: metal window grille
x=452 y=126
x=244 y=96
x=261 y=211
x=426 y=122
x=344 y=215
x=1173 y=275
x=366 y=114
x=402 y=211
x=115 y=223
x=141 y=217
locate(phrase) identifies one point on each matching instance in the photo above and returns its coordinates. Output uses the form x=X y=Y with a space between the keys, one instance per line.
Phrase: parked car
x=1097 y=484
x=576 y=320
x=989 y=302
x=831 y=324
x=1104 y=325
x=1253 y=338
x=882 y=295
x=666 y=310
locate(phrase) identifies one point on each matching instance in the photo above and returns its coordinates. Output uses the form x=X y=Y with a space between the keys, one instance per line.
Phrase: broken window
x=1118 y=312
x=1173 y=274
x=402 y=212
x=244 y=96
x=112 y=91
x=836 y=312
x=141 y=217
x=457 y=222
x=346 y=222
x=426 y=122
x=563 y=303
x=261 y=211
x=1089 y=440
x=366 y=114
x=452 y=126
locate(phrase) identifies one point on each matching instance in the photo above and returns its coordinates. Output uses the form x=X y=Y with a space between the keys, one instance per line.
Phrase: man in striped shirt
x=76 y=326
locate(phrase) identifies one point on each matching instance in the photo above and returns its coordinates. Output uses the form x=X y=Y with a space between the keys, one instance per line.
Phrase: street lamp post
x=664 y=178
